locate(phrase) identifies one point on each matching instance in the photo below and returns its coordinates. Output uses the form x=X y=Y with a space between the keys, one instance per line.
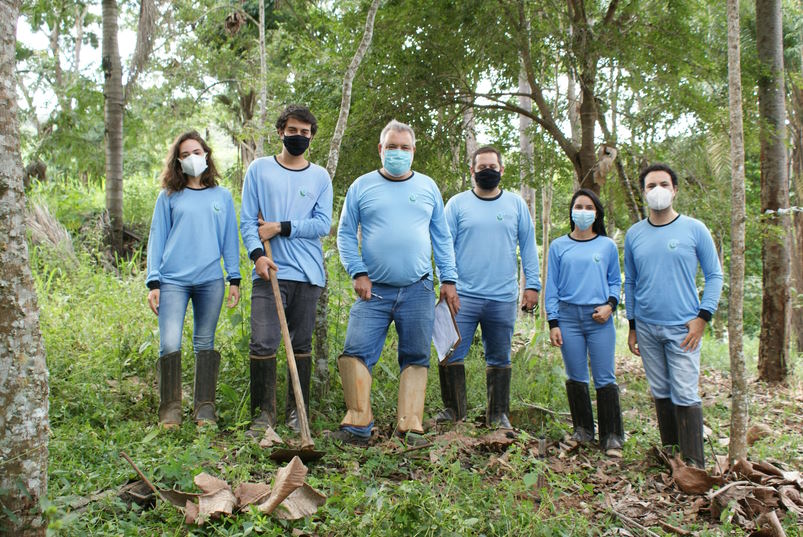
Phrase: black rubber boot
x=263 y=392
x=304 y=368
x=690 y=434
x=207 y=366
x=168 y=370
x=582 y=413
x=453 y=393
x=667 y=422
x=609 y=413
x=497 y=382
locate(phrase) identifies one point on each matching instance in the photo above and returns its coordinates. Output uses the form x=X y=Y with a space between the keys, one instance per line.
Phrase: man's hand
x=632 y=343
x=555 y=337
x=262 y=265
x=153 y=301
x=529 y=301
x=234 y=295
x=449 y=294
x=602 y=313
x=692 y=340
x=268 y=230
x=362 y=286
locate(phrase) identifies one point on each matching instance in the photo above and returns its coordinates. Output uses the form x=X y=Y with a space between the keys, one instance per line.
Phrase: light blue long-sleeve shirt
x=401 y=225
x=661 y=268
x=582 y=273
x=190 y=231
x=301 y=197
x=486 y=233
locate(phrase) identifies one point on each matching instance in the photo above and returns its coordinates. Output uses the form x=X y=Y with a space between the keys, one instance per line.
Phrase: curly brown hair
x=173 y=177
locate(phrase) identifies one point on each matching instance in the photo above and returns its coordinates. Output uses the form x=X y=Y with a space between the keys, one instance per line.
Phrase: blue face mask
x=397 y=161
x=583 y=219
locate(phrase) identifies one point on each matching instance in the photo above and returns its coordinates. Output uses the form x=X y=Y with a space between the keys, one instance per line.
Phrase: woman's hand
x=602 y=313
x=153 y=301
x=555 y=337
x=234 y=295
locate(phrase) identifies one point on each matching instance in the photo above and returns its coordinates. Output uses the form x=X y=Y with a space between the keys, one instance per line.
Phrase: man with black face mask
x=487 y=225
x=288 y=201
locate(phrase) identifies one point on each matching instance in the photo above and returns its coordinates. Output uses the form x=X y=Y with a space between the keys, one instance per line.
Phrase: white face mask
x=659 y=198
x=193 y=165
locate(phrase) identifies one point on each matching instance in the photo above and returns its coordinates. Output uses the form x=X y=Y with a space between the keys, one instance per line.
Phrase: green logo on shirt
x=672 y=245
x=500 y=217
x=597 y=258
x=302 y=192
x=412 y=198
x=216 y=207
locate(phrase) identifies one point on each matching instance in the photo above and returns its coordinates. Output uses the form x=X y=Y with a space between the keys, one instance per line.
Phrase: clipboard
x=445 y=333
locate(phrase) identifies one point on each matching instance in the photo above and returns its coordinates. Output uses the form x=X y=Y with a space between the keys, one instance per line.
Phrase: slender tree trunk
x=263 y=83
x=796 y=122
x=527 y=168
x=23 y=371
x=470 y=132
x=113 y=92
x=773 y=354
x=546 y=224
x=737 y=448
x=322 y=309
x=348 y=80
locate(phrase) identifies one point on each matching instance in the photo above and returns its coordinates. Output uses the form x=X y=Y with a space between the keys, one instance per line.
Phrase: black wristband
x=447 y=281
x=705 y=315
x=358 y=275
x=256 y=254
x=553 y=323
x=532 y=289
x=632 y=323
x=235 y=281
x=285 y=228
x=153 y=284
x=613 y=301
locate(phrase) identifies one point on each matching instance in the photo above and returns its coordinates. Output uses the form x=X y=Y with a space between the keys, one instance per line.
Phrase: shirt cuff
x=613 y=301
x=256 y=254
x=553 y=323
x=532 y=289
x=632 y=323
x=154 y=284
x=448 y=281
x=286 y=228
x=358 y=275
x=235 y=282
x=705 y=315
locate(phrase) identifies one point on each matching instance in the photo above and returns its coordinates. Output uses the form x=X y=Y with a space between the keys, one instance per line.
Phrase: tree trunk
x=773 y=354
x=322 y=309
x=526 y=169
x=796 y=123
x=737 y=448
x=348 y=79
x=23 y=371
x=546 y=224
x=263 y=83
x=470 y=132
x=113 y=93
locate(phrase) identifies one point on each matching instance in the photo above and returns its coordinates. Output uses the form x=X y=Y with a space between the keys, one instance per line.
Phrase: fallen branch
x=669 y=527
x=547 y=410
x=156 y=491
x=729 y=485
x=632 y=523
x=772 y=519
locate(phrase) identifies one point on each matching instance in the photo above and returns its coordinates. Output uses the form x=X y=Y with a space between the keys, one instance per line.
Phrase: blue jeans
x=411 y=308
x=672 y=372
x=584 y=340
x=496 y=319
x=207 y=299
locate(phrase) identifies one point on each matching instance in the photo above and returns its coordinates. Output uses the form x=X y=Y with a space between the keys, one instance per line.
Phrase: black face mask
x=488 y=179
x=296 y=144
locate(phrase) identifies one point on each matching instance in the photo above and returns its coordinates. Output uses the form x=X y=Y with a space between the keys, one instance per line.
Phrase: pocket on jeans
x=428 y=284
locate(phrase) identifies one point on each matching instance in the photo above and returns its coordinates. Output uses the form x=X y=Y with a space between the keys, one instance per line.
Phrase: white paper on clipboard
x=445 y=334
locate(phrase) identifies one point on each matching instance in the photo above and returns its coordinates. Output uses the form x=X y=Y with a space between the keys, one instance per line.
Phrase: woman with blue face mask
x=193 y=226
x=581 y=295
